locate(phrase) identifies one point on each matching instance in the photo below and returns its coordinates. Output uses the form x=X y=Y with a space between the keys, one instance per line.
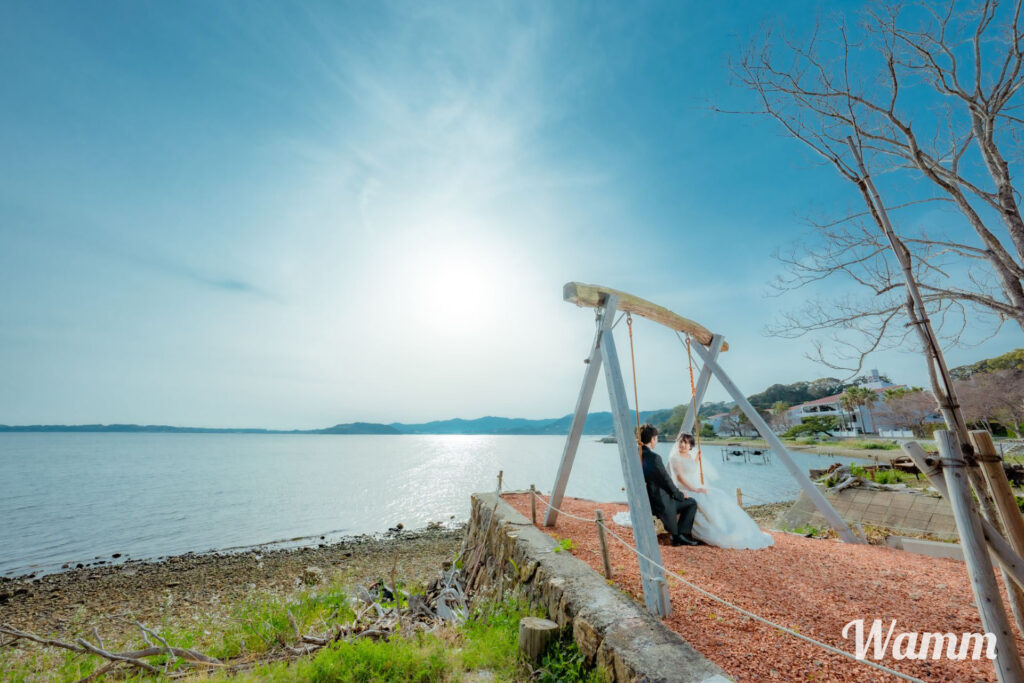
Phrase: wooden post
x=739 y=497
x=979 y=565
x=534 y=636
x=533 y=503
x=500 y=474
x=599 y=519
x=1009 y=560
x=579 y=417
x=1006 y=504
x=652 y=576
x=808 y=487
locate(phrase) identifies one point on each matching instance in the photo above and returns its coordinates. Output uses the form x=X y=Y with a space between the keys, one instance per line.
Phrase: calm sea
x=70 y=498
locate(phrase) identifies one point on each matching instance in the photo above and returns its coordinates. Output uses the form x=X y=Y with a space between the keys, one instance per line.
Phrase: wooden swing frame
x=607 y=302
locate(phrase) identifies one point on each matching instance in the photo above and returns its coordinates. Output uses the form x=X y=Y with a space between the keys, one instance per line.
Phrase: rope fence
x=747 y=613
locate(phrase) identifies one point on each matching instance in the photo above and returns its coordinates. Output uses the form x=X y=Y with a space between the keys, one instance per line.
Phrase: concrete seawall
x=902 y=510
x=609 y=627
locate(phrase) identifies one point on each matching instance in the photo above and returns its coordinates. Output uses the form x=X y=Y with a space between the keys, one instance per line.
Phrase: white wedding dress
x=719 y=521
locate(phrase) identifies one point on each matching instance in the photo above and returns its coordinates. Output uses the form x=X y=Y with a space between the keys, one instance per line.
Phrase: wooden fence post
x=739 y=497
x=533 y=503
x=500 y=474
x=599 y=519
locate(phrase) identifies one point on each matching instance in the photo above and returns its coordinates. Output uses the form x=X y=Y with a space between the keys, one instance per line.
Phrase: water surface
x=69 y=498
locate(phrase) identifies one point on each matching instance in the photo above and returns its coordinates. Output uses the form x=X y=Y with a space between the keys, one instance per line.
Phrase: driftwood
x=134 y=657
x=844 y=479
x=444 y=601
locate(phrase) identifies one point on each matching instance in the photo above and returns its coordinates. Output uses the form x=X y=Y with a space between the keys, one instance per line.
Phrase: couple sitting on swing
x=692 y=513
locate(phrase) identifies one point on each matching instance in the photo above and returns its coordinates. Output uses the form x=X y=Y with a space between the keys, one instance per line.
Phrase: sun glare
x=462 y=279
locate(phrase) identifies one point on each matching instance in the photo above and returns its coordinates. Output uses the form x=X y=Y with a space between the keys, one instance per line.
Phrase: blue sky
x=292 y=215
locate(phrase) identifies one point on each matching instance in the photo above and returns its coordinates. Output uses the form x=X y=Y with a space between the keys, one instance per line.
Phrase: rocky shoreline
x=199 y=587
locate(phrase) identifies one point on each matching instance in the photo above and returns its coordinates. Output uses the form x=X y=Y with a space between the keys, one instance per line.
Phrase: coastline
x=202 y=586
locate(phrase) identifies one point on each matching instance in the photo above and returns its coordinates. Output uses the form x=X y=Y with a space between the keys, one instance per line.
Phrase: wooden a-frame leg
x=579 y=417
x=808 y=487
x=652 y=576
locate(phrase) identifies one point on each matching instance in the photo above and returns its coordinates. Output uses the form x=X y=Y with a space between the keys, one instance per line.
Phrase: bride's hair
x=688 y=438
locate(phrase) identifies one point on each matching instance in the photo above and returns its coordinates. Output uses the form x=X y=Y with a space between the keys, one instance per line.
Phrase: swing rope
x=696 y=421
x=636 y=392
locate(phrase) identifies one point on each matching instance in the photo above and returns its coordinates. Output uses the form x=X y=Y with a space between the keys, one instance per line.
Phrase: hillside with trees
x=1014 y=360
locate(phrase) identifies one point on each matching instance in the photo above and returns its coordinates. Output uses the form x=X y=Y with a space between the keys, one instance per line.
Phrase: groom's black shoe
x=683 y=540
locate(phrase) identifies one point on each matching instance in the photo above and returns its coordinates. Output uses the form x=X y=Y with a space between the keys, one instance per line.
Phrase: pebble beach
x=193 y=587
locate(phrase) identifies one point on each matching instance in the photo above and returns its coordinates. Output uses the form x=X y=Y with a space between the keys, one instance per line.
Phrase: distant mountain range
x=597 y=423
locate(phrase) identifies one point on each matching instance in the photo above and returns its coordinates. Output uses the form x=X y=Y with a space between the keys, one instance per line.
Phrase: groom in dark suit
x=668 y=503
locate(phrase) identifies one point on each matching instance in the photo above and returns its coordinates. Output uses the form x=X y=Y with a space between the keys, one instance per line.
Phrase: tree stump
x=534 y=636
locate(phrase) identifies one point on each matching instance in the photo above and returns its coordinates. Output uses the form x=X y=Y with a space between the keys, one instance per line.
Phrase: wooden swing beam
x=594 y=296
x=602 y=352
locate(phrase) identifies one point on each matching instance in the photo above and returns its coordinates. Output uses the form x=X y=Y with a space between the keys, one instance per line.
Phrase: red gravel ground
x=812 y=586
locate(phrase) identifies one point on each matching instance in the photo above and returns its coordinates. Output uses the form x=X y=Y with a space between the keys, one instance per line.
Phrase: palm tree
x=856 y=397
x=848 y=401
x=868 y=400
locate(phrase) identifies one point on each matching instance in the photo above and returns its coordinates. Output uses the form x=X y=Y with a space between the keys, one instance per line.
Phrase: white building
x=859 y=420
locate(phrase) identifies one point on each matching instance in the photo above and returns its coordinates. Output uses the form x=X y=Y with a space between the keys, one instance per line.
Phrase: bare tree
x=963 y=68
x=779 y=416
x=997 y=396
x=729 y=424
x=1008 y=388
x=930 y=95
x=913 y=409
x=977 y=400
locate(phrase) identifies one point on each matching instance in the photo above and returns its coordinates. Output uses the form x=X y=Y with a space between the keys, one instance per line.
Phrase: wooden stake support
x=739 y=497
x=1006 y=504
x=979 y=565
x=1009 y=560
x=599 y=519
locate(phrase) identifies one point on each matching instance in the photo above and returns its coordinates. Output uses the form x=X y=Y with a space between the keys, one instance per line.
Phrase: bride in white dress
x=720 y=521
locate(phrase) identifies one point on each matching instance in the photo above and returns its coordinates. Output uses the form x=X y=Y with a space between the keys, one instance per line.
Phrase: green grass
x=419 y=658
x=258 y=627
x=882 y=476
x=865 y=445
x=490 y=637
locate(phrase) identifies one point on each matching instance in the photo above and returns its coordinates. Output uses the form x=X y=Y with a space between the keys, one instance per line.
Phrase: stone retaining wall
x=609 y=628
